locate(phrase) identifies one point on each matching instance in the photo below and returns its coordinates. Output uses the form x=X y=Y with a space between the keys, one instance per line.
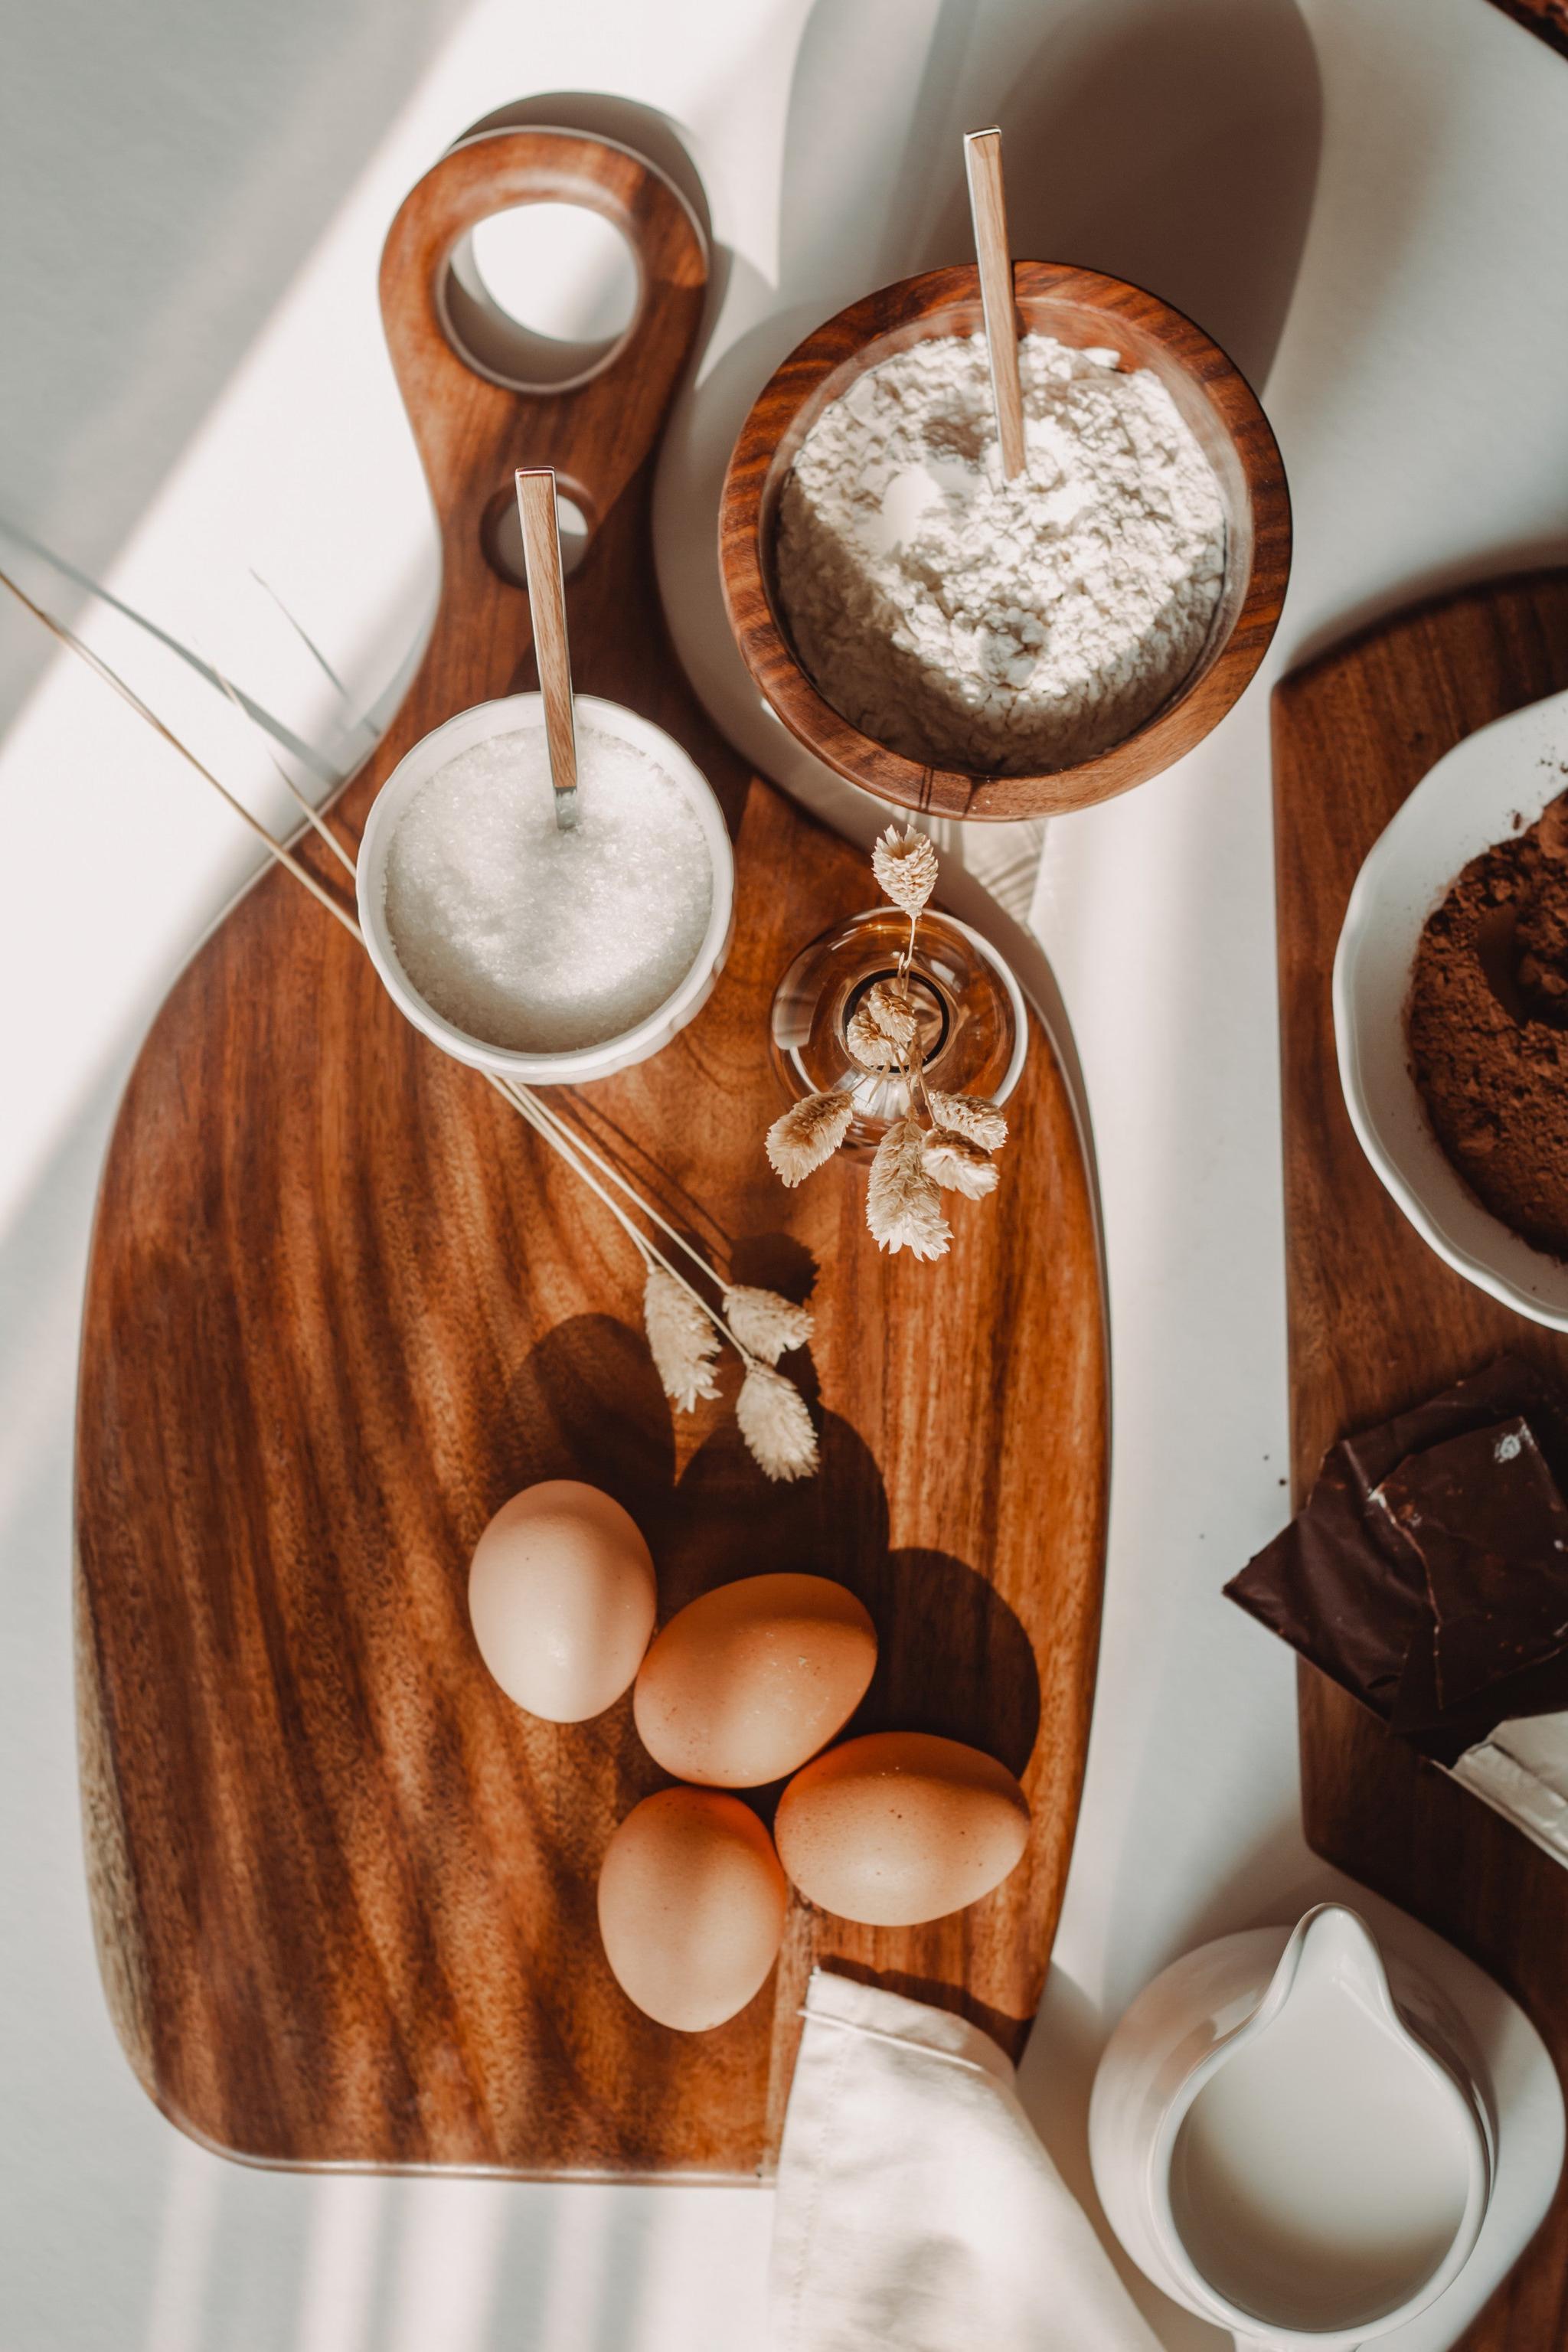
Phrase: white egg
x=561 y=1598
x=691 y=1907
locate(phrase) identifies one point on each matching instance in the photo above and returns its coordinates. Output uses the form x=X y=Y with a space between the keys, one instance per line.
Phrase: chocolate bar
x=1424 y=1574
x=1483 y=1515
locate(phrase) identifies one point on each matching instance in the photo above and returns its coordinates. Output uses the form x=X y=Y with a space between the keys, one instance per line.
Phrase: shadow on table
x=1176 y=147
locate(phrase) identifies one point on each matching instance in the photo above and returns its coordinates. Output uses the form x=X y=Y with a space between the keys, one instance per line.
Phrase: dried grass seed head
x=775 y=1424
x=972 y=1116
x=868 y=1046
x=809 y=1132
x=766 y=1323
x=905 y=865
x=881 y=1027
x=681 y=1339
x=903 y=1207
x=959 y=1165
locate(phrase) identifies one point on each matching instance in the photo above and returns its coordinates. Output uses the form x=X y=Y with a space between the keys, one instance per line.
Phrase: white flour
x=1002 y=627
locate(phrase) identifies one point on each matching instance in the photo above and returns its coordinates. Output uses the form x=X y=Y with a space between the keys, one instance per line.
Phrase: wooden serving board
x=341 y=1303
x=1378 y=1322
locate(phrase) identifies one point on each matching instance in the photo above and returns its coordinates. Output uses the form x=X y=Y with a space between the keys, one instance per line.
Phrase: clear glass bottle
x=972 y=1029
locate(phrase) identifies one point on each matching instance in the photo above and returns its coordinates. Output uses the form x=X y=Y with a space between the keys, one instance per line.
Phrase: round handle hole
x=500 y=535
x=541 y=296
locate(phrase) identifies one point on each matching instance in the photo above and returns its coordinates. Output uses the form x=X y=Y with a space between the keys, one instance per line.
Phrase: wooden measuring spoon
x=540 y=518
x=988 y=210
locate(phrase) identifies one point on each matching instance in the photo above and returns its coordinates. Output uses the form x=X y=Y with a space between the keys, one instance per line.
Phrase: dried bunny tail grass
x=958 y=1164
x=681 y=1341
x=869 y=1044
x=903 y=1207
x=775 y=1424
x=905 y=865
x=881 y=1028
x=971 y=1116
x=765 y=1324
x=888 y=1010
x=808 y=1133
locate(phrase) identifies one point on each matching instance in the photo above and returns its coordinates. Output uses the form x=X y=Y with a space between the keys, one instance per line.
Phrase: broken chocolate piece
x=1345 y=1585
x=1349 y=1594
x=1484 y=1516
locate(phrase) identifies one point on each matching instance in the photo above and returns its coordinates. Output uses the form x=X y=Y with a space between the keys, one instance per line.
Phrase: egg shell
x=749 y=1681
x=691 y=1906
x=901 y=1827
x=561 y=1598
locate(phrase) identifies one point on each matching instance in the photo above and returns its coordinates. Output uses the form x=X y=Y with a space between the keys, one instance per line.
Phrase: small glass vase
x=973 y=1032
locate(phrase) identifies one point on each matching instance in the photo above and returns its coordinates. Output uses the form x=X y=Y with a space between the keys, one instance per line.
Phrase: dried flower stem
x=69 y=638
x=546 y=1122
x=607 y=1168
x=312 y=814
x=549 y=1123
x=571 y=1148
x=523 y=1103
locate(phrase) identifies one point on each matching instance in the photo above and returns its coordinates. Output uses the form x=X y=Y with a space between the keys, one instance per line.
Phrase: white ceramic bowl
x=1464 y=804
x=506 y=716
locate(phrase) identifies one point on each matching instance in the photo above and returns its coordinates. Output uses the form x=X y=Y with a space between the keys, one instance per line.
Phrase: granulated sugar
x=990 y=625
x=536 y=939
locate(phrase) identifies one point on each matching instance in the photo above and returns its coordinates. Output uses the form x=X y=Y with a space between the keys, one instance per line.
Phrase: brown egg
x=749 y=1681
x=691 y=1906
x=899 y=1827
x=561 y=1598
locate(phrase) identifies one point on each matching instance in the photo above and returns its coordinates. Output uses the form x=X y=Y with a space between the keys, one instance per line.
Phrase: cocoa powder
x=1487 y=1026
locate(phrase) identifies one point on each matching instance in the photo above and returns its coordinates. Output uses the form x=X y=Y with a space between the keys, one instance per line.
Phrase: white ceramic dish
x=505 y=716
x=1469 y=801
x=1321 y=1999
x=1503 y=2055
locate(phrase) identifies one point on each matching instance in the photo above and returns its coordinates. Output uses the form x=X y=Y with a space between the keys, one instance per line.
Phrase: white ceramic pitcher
x=1289 y=2139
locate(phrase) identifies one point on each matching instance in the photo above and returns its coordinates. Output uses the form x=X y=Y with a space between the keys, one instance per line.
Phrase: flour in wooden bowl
x=1000 y=627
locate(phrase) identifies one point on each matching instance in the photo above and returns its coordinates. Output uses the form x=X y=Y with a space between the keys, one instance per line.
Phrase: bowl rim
x=763 y=449
x=1375 y=902
x=504 y=715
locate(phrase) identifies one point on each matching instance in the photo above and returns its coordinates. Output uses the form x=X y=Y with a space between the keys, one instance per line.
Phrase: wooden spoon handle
x=988 y=206
x=547 y=600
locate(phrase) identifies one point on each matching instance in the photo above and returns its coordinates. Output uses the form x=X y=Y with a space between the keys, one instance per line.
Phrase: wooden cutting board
x=1377 y=1321
x=341 y=1303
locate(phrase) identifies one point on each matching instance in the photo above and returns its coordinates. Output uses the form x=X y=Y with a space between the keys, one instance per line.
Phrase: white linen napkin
x=1004 y=860
x=917 y=2210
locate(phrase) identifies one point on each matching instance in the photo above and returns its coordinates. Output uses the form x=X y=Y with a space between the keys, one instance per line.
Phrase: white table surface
x=193 y=388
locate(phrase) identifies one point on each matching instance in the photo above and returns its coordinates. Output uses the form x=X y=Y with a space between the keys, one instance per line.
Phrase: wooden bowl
x=1078 y=307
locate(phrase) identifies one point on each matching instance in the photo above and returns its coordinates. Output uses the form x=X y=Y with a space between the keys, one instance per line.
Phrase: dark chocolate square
x=1347 y=1588
x=1484 y=1514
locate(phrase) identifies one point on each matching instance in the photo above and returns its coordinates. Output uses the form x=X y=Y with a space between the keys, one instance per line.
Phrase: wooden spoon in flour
x=988 y=210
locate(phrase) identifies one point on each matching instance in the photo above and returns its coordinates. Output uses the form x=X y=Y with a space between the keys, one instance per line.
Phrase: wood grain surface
x=1078 y=306
x=342 y=1304
x=1377 y=1321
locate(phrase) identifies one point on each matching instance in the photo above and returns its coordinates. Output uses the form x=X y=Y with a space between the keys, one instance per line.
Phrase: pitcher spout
x=1333 y=1950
